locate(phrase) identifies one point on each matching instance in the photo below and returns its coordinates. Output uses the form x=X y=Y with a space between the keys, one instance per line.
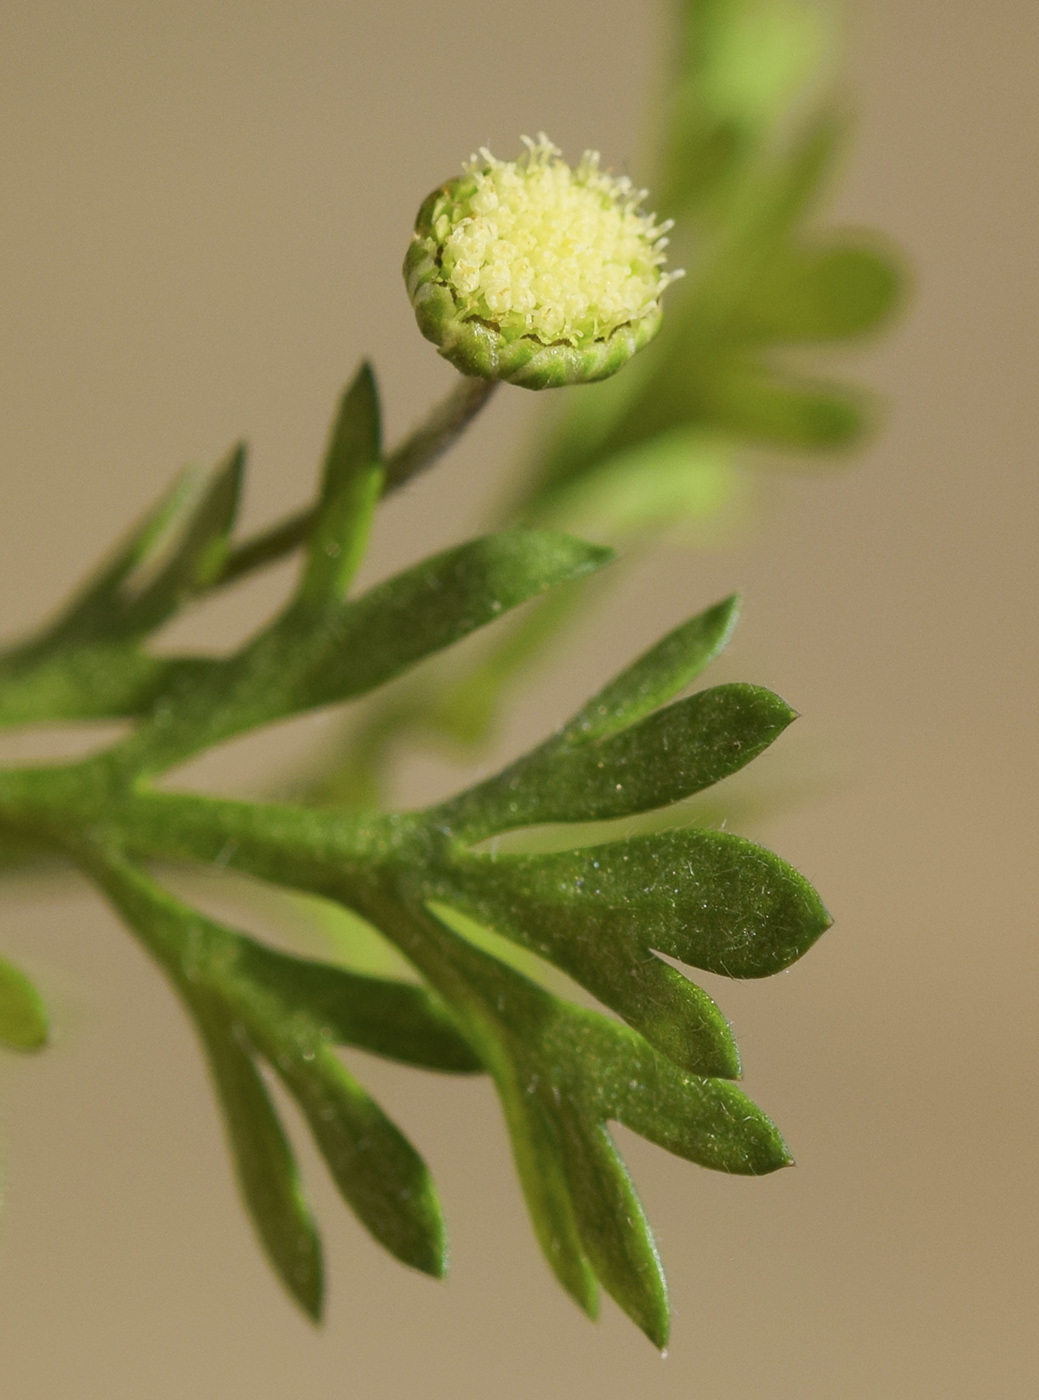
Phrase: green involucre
x=532 y=273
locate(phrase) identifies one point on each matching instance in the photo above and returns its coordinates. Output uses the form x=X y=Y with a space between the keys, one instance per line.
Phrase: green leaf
x=101 y=601
x=823 y=294
x=706 y=898
x=89 y=664
x=563 y=1073
x=199 y=556
x=442 y=600
x=670 y=755
x=266 y=1169
x=614 y=1230
x=680 y=475
x=352 y=483
x=465 y=712
x=397 y=1019
x=673 y=1013
x=546 y=1184
x=24 y=1024
x=659 y=673
x=741 y=65
x=309 y=659
x=378 y=1172
x=782 y=411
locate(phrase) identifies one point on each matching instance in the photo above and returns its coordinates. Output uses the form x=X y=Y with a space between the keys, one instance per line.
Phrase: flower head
x=535 y=273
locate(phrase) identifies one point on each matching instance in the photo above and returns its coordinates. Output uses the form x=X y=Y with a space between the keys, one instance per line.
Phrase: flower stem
x=419 y=450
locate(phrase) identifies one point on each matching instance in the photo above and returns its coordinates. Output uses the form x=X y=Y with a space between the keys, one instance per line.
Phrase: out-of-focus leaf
x=99 y=603
x=782 y=411
x=266 y=1169
x=741 y=65
x=24 y=1024
x=759 y=54
x=823 y=294
x=90 y=664
x=680 y=475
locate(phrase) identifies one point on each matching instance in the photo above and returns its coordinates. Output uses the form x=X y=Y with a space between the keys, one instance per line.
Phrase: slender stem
x=444 y=425
x=272 y=544
x=419 y=450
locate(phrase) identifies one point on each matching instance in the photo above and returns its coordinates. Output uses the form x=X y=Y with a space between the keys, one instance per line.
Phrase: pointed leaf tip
x=264 y=1162
x=670 y=755
x=352 y=482
x=658 y=674
x=378 y=1172
x=443 y=599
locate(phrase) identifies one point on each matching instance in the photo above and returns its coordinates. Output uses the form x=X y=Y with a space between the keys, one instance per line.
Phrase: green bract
x=534 y=273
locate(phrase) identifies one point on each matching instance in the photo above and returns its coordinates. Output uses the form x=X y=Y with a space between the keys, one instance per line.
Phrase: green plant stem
x=71 y=809
x=419 y=450
x=366 y=861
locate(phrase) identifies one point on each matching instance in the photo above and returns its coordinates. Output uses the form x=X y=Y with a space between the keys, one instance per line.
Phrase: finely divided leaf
x=400 y=1020
x=672 y=754
x=614 y=1230
x=90 y=664
x=376 y=1169
x=100 y=603
x=198 y=558
x=563 y=1073
x=443 y=599
x=673 y=1013
x=378 y=1172
x=265 y=1166
x=708 y=898
x=312 y=657
x=705 y=898
x=546 y=1185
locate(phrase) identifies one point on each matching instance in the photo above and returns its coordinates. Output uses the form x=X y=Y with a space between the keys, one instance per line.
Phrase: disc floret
x=537 y=273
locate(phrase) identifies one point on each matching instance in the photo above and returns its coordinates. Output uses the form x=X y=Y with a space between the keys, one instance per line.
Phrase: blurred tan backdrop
x=204 y=208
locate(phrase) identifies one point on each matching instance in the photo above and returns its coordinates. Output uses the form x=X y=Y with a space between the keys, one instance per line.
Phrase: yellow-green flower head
x=534 y=273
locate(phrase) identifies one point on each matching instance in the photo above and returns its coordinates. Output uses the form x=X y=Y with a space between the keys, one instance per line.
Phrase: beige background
x=204 y=207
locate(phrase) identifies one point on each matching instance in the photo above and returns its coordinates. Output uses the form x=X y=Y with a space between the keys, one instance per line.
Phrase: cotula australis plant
x=539 y=275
